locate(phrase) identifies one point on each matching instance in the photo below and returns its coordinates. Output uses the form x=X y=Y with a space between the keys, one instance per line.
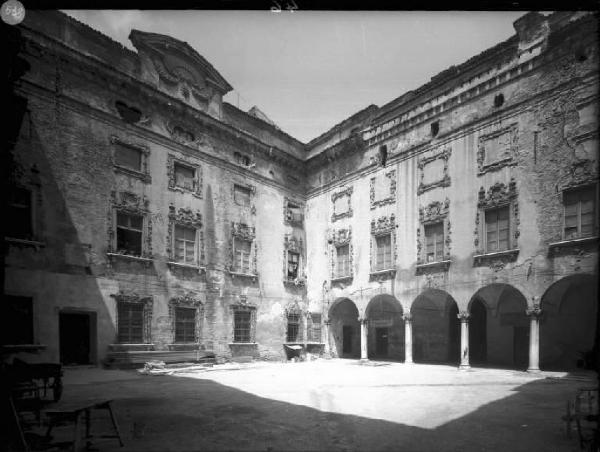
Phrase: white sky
x=309 y=70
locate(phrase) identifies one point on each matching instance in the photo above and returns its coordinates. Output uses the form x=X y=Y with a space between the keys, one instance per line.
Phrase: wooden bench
x=78 y=414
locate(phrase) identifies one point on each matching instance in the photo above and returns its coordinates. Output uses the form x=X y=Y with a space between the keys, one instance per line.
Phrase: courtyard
x=332 y=405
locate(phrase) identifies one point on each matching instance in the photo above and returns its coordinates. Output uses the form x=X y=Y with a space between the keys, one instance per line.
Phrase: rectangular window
x=241 y=326
x=294 y=215
x=184 y=176
x=293 y=327
x=185 y=244
x=434 y=242
x=383 y=252
x=242 y=253
x=131 y=322
x=20 y=218
x=185 y=325
x=128 y=157
x=497 y=229
x=314 y=328
x=241 y=195
x=129 y=233
x=17 y=320
x=579 y=212
x=293 y=261
x=343 y=260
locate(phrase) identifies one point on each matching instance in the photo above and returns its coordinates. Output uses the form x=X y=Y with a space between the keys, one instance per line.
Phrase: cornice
x=452 y=135
x=150 y=135
x=101 y=72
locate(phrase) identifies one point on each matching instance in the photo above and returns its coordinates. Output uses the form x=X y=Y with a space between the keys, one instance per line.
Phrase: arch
x=568 y=323
x=385 y=330
x=344 y=328
x=499 y=327
x=436 y=328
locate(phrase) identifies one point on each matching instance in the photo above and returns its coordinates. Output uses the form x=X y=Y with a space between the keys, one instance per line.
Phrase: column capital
x=534 y=311
x=463 y=316
x=407 y=316
x=363 y=319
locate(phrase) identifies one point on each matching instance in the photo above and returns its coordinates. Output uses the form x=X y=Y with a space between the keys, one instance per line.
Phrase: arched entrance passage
x=385 y=334
x=436 y=328
x=344 y=329
x=568 y=323
x=499 y=327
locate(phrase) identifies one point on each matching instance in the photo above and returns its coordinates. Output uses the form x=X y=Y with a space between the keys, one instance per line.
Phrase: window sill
x=242 y=343
x=16 y=348
x=572 y=246
x=432 y=267
x=190 y=266
x=294 y=282
x=131 y=172
x=502 y=256
x=339 y=279
x=191 y=191
x=25 y=242
x=252 y=276
x=145 y=260
x=381 y=275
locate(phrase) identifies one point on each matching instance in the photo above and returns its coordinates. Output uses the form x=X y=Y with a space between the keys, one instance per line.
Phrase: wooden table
x=78 y=414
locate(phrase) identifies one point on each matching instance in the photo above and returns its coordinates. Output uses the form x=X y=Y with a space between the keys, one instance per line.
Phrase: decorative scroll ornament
x=342 y=236
x=243 y=231
x=185 y=216
x=383 y=225
x=463 y=316
x=580 y=173
x=434 y=212
x=497 y=195
x=535 y=310
x=292 y=243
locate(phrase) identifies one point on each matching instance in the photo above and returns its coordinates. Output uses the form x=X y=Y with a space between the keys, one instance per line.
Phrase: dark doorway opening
x=381 y=342
x=478 y=333
x=77 y=332
x=347 y=339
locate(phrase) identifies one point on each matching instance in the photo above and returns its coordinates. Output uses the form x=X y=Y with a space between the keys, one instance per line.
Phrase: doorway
x=381 y=342
x=77 y=337
x=347 y=340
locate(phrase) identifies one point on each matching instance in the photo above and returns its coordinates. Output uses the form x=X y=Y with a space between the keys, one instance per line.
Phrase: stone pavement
x=335 y=405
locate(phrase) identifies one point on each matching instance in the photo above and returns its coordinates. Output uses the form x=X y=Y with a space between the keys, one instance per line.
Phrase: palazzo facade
x=153 y=220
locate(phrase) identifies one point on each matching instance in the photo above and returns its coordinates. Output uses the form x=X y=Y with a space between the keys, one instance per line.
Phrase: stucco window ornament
x=497 y=149
x=243 y=322
x=243 y=196
x=134 y=305
x=183 y=135
x=131 y=158
x=391 y=194
x=434 y=232
x=192 y=221
x=342 y=204
x=243 y=251
x=188 y=302
x=383 y=254
x=293 y=212
x=293 y=317
x=342 y=255
x=500 y=201
x=184 y=176
x=431 y=164
x=129 y=227
x=293 y=261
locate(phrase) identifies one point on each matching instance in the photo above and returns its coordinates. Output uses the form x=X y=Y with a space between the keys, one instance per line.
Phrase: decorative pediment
x=243 y=231
x=129 y=202
x=185 y=216
x=185 y=301
x=434 y=212
x=581 y=172
x=132 y=297
x=383 y=225
x=292 y=243
x=293 y=307
x=497 y=195
x=342 y=236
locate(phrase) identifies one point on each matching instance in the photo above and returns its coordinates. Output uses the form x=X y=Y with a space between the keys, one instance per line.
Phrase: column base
x=535 y=370
x=464 y=367
x=409 y=362
x=363 y=360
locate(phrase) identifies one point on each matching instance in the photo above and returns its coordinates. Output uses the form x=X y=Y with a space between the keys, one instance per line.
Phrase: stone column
x=363 y=339
x=464 y=340
x=534 y=314
x=327 y=350
x=408 y=359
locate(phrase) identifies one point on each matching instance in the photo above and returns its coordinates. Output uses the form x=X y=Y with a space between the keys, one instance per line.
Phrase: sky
x=309 y=70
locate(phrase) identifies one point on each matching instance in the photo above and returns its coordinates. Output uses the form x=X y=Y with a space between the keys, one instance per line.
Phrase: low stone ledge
x=433 y=267
x=573 y=246
x=499 y=258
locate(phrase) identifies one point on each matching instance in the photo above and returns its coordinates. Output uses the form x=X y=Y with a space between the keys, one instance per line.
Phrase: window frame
x=486 y=245
x=143 y=173
x=312 y=335
x=32 y=212
x=338 y=274
x=297 y=324
x=147 y=306
x=429 y=226
x=32 y=320
x=141 y=231
x=247 y=189
x=172 y=163
x=251 y=311
x=195 y=260
x=194 y=324
x=593 y=188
